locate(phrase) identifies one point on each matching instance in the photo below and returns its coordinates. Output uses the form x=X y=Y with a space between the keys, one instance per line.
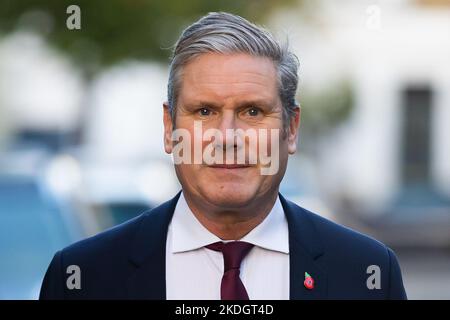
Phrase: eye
x=204 y=111
x=253 y=112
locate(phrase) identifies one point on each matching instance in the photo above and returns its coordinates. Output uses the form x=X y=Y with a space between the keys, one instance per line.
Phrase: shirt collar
x=189 y=234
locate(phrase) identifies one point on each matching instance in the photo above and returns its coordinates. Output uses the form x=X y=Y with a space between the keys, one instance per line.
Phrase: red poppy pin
x=309 y=281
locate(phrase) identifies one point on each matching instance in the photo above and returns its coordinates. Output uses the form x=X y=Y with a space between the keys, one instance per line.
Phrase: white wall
x=411 y=45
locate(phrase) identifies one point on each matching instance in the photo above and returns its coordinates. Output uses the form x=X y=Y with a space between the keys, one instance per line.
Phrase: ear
x=168 y=127
x=294 y=123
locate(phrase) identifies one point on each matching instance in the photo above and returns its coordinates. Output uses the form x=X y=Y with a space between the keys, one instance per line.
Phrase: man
x=228 y=234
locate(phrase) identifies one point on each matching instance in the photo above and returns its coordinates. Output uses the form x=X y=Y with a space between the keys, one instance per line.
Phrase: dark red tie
x=233 y=252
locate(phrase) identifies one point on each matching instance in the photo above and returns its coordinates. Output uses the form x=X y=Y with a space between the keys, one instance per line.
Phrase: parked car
x=32 y=229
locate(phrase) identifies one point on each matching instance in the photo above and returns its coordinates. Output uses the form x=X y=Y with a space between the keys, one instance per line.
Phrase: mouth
x=229 y=166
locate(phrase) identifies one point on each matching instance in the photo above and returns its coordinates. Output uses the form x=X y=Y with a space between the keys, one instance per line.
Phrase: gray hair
x=222 y=32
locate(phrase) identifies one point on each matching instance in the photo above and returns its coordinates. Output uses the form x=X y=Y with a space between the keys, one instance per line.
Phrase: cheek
x=283 y=151
x=189 y=175
x=271 y=143
x=187 y=143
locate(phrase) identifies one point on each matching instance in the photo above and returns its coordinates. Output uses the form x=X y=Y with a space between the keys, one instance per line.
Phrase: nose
x=227 y=121
x=231 y=141
x=227 y=125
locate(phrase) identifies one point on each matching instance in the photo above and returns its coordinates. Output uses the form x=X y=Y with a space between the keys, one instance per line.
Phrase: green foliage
x=112 y=30
x=324 y=110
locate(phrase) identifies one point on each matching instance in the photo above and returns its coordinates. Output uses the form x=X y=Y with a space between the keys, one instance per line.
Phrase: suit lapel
x=148 y=254
x=305 y=252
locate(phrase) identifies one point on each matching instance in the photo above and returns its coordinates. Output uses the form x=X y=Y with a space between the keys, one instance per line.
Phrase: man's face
x=236 y=91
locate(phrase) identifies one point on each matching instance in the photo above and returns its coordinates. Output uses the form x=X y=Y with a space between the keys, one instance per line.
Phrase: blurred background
x=81 y=145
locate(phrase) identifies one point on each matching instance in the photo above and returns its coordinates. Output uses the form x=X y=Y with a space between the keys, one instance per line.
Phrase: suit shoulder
x=336 y=237
x=348 y=254
x=113 y=239
x=115 y=244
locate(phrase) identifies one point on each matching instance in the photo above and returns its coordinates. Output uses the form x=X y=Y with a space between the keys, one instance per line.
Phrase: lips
x=230 y=166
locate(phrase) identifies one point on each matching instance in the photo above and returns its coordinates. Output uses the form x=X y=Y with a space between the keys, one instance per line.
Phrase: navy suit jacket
x=129 y=260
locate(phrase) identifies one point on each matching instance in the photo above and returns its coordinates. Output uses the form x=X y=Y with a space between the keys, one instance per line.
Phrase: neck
x=231 y=223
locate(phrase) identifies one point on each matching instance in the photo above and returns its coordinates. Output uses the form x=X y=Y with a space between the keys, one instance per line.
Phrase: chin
x=230 y=196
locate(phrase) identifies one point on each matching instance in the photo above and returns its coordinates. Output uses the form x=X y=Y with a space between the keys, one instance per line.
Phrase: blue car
x=32 y=229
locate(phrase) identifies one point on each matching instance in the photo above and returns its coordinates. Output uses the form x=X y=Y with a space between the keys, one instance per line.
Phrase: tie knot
x=233 y=252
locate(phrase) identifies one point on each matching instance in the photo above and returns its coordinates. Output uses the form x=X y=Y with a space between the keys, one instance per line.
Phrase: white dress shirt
x=194 y=272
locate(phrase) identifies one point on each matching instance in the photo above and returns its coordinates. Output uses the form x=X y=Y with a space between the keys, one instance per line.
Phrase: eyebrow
x=201 y=103
x=260 y=103
x=241 y=104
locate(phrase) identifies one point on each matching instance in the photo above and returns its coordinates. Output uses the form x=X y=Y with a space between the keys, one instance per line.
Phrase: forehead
x=221 y=77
